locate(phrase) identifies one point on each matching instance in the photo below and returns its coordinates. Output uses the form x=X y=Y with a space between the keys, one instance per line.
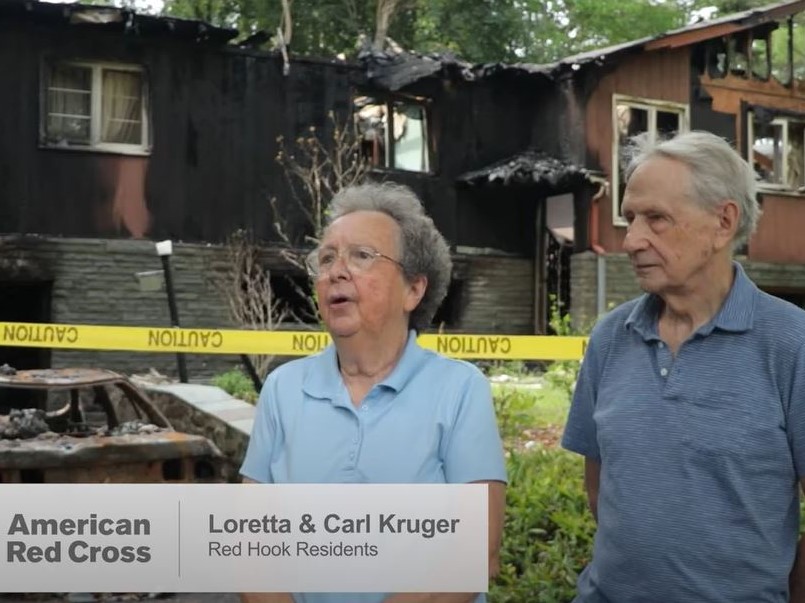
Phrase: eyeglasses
x=358 y=259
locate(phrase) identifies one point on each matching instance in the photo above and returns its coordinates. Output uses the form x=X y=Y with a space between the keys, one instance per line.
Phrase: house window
x=777 y=151
x=95 y=107
x=394 y=133
x=631 y=117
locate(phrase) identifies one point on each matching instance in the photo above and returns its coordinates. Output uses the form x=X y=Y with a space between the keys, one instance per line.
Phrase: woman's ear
x=415 y=291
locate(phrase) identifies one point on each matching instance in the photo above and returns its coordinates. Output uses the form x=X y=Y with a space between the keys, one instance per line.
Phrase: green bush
x=510 y=368
x=236 y=384
x=515 y=410
x=548 y=532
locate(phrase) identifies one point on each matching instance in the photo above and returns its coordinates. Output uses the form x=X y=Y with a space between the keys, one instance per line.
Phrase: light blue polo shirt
x=430 y=421
x=700 y=454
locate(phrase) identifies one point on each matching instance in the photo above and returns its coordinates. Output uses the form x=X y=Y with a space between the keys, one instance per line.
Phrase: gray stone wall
x=210 y=412
x=94 y=283
x=621 y=284
x=498 y=295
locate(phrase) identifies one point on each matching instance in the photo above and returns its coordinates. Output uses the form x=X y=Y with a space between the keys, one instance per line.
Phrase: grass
x=530 y=414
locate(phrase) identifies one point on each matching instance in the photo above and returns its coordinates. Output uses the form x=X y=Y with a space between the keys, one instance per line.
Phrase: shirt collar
x=736 y=314
x=324 y=380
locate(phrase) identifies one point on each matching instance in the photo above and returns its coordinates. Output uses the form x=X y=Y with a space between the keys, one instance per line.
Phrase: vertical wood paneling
x=662 y=75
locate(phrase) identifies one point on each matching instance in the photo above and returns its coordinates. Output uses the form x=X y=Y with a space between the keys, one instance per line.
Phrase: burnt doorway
x=25 y=301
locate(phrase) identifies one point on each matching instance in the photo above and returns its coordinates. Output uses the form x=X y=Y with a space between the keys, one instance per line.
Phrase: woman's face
x=365 y=301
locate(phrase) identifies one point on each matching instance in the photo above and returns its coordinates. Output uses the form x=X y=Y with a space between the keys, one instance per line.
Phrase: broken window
x=631 y=117
x=777 y=150
x=94 y=106
x=736 y=55
x=761 y=60
x=780 y=68
x=394 y=133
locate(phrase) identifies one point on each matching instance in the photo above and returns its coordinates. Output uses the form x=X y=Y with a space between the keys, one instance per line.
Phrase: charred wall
x=476 y=124
x=215 y=117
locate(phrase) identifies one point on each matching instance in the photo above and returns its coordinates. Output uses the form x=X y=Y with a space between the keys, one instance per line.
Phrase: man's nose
x=635 y=239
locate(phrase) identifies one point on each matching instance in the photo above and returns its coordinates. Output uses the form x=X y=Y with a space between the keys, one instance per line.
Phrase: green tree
x=477 y=30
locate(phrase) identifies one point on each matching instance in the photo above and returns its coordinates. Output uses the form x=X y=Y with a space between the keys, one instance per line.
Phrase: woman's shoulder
x=452 y=368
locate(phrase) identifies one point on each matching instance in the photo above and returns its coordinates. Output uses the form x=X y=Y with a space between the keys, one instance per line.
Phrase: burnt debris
x=22 y=424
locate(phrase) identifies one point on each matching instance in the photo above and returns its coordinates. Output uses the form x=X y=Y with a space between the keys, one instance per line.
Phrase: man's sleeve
x=796 y=412
x=257 y=462
x=580 y=434
x=473 y=450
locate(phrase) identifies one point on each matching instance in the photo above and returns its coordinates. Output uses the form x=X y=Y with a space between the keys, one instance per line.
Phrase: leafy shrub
x=515 y=410
x=548 y=532
x=562 y=374
x=236 y=384
x=510 y=368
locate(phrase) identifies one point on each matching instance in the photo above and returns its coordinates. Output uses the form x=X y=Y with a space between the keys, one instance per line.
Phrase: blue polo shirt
x=700 y=453
x=430 y=421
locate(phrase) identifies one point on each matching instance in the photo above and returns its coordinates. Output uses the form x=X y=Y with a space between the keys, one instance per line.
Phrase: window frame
x=95 y=144
x=652 y=106
x=784 y=122
x=388 y=101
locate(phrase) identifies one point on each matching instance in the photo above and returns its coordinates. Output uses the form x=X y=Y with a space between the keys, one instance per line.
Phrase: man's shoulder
x=779 y=319
x=617 y=318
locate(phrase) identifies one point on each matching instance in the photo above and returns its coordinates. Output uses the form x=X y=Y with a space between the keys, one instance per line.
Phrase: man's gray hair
x=424 y=250
x=718 y=173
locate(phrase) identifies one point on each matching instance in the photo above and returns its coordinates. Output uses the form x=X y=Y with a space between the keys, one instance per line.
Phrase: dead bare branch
x=246 y=287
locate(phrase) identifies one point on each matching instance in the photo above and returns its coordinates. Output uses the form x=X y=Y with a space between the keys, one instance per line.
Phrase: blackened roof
x=394 y=71
x=530 y=168
x=697 y=32
x=114 y=19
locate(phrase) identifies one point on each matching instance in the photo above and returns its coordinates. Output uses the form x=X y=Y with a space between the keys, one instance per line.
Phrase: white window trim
x=750 y=135
x=95 y=144
x=651 y=106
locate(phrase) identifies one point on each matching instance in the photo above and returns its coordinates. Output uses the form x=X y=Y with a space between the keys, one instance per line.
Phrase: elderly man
x=690 y=405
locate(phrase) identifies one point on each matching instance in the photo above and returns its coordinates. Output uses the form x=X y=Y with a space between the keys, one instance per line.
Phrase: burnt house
x=742 y=77
x=121 y=129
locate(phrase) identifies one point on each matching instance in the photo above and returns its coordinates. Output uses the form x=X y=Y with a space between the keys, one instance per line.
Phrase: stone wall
x=621 y=284
x=206 y=411
x=498 y=294
x=94 y=283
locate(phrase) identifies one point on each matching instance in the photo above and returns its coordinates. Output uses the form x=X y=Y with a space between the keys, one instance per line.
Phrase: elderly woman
x=374 y=407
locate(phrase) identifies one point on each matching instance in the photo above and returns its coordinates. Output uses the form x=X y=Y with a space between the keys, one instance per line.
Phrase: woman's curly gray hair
x=424 y=251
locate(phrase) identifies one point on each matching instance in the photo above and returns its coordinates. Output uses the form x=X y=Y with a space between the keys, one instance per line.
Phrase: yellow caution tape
x=279 y=343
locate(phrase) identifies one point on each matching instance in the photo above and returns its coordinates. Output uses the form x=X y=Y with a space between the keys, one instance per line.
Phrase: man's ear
x=729 y=216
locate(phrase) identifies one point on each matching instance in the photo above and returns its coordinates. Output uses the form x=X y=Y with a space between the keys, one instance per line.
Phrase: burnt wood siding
x=476 y=124
x=216 y=114
x=215 y=117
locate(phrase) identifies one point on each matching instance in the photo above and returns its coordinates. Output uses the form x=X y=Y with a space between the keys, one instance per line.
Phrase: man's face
x=670 y=239
x=373 y=301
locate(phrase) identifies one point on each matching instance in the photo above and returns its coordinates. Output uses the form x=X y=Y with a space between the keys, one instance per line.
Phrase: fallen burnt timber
x=90 y=426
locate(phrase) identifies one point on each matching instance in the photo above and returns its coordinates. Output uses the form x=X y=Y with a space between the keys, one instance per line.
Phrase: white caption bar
x=243 y=538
